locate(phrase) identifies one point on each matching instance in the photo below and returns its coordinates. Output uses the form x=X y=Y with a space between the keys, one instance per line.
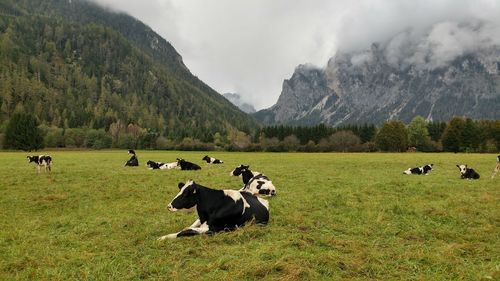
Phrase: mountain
x=236 y=100
x=76 y=64
x=373 y=85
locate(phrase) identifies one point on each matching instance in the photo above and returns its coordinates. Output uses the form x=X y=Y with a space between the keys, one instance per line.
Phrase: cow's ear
x=246 y=167
x=180 y=185
x=432 y=165
x=458 y=166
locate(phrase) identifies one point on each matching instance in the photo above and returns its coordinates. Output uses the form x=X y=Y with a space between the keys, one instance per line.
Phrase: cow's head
x=427 y=167
x=150 y=164
x=463 y=168
x=187 y=197
x=239 y=170
x=32 y=159
x=498 y=159
x=206 y=158
x=130 y=151
x=180 y=160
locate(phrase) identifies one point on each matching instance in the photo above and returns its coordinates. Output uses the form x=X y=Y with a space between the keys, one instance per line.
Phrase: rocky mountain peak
x=391 y=82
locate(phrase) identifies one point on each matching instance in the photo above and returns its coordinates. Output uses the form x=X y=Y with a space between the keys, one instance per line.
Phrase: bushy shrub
x=74 y=137
x=54 y=137
x=97 y=139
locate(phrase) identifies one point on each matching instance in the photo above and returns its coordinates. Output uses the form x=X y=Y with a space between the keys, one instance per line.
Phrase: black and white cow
x=211 y=160
x=218 y=210
x=41 y=160
x=185 y=165
x=133 y=161
x=424 y=170
x=497 y=167
x=254 y=182
x=152 y=165
x=467 y=173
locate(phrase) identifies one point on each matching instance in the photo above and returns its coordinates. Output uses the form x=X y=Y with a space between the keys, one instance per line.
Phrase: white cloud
x=250 y=46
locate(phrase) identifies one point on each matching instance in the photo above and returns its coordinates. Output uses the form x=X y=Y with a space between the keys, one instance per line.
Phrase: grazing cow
x=211 y=160
x=254 y=182
x=133 y=161
x=218 y=210
x=185 y=165
x=497 y=168
x=467 y=173
x=152 y=165
x=424 y=170
x=41 y=160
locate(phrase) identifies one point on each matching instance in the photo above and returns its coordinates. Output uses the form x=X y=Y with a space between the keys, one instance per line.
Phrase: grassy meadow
x=336 y=216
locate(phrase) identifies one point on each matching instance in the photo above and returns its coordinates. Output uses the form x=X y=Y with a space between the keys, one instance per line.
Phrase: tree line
x=458 y=135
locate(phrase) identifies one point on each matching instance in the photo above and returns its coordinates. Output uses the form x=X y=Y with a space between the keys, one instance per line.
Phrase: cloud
x=251 y=46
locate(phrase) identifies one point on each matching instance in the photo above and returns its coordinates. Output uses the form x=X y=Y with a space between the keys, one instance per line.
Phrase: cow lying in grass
x=211 y=160
x=133 y=161
x=185 y=165
x=41 y=161
x=424 y=170
x=467 y=173
x=152 y=165
x=218 y=210
x=254 y=182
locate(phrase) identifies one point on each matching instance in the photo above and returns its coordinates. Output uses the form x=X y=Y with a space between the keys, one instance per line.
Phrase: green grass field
x=336 y=216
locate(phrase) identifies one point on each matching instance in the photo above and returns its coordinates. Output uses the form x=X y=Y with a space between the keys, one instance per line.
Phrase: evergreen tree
x=452 y=136
x=22 y=132
x=470 y=136
x=436 y=129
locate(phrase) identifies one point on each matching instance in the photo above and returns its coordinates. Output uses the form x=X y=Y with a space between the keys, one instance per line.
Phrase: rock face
x=372 y=86
x=236 y=100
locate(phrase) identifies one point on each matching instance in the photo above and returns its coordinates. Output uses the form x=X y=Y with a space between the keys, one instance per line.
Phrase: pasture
x=336 y=216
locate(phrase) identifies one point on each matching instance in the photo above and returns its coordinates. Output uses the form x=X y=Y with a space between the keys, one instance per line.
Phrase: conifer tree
x=22 y=132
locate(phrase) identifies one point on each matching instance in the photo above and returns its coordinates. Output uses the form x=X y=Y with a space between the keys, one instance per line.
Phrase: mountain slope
x=371 y=86
x=236 y=100
x=75 y=64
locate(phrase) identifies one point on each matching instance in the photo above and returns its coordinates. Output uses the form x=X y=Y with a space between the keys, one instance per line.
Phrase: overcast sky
x=251 y=46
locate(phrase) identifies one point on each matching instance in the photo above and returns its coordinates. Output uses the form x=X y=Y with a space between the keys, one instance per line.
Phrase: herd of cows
x=226 y=210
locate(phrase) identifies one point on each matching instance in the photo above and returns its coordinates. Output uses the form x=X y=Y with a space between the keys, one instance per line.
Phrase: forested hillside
x=75 y=65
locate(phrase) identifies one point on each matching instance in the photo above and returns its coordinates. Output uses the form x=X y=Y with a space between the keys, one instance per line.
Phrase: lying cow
x=218 y=210
x=467 y=173
x=424 y=170
x=185 y=165
x=152 y=165
x=133 y=161
x=41 y=160
x=211 y=160
x=254 y=182
x=497 y=167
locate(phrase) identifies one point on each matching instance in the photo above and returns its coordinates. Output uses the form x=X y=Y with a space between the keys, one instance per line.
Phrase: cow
x=254 y=182
x=152 y=165
x=211 y=160
x=497 y=168
x=133 y=161
x=41 y=160
x=218 y=210
x=424 y=170
x=467 y=173
x=185 y=165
